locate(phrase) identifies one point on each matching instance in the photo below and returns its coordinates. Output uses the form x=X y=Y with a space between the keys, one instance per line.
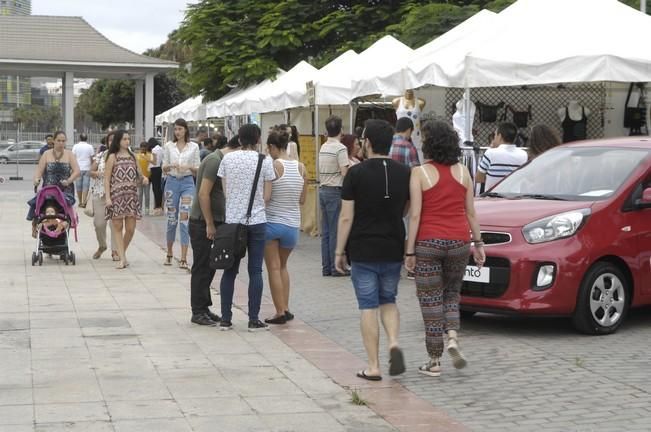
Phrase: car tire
x=603 y=300
x=4 y=160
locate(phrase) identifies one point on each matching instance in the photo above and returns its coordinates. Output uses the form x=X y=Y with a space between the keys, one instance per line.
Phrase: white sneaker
x=431 y=368
x=458 y=360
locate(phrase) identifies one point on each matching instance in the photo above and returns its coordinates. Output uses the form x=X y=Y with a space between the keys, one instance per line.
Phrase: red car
x=569 y=234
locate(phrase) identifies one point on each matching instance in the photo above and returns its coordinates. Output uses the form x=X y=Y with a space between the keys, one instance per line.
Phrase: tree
x=35 y=117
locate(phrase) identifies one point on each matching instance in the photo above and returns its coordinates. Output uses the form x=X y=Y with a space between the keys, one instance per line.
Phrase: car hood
x=501 y=212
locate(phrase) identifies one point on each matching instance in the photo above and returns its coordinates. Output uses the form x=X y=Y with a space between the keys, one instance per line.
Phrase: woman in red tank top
x=442 y=217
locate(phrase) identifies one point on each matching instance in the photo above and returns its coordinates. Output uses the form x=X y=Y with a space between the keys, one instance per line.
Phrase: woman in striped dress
x=283 y=221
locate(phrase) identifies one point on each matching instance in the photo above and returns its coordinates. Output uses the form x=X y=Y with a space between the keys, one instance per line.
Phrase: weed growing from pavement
x=579 y=362
x=356 y=398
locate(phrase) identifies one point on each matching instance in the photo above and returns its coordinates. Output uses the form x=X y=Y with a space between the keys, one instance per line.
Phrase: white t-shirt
x=158 y=152
x=84 y=153
x=238 y=169
x=499 y=162
x=188 y=157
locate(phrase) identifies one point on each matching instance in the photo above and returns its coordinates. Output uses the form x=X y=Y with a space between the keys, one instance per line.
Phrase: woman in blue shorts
x=283 y=221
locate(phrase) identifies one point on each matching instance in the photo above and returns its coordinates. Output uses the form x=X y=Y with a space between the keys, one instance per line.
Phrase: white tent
x=217 y=109
x=333 y=82
x=378 y=61
x=563 y=41
x=191 y=109
x=288 y=91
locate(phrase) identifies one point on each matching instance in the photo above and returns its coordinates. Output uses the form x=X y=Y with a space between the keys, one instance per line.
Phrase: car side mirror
x=645 y=201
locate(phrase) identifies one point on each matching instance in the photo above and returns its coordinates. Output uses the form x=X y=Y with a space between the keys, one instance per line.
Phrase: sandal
x=168 y=260
x=431 y=368
x=99 y=252
x=362 y=374
x=122 y=266
x=396 y=362
x=115 y=256
x=183 y=264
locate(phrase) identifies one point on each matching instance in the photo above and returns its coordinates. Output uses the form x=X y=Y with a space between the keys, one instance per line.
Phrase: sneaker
x=458 y=360
x=213 y=316
x=411 y=275
x=225 y=325
x=202 y=319
x=257 y=325
x=431 y=368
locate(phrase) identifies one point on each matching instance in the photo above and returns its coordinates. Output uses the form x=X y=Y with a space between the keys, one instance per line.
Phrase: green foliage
x=109 y=102
x=35 y=117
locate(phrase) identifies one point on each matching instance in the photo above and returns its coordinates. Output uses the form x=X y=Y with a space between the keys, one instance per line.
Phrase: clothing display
x=459 y=121
x=415 y=114
x=489 y=113
x=574 y=130
x=520 y=118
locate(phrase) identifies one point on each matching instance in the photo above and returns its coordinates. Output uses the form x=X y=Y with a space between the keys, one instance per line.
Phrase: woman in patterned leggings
x=442 y=215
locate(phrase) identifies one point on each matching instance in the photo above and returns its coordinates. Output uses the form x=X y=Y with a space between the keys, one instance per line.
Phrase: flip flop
x=362 y=374
x=396 y=362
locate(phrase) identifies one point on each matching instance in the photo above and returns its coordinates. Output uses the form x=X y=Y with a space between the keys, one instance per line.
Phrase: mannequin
x=574 y=121
x=411 y=106
x=459 y=121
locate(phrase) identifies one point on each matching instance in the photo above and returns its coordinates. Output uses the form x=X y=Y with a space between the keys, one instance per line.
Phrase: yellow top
x=144 y=159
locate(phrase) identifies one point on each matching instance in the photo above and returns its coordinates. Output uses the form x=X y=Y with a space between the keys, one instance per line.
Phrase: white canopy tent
x=562 y=41
x=378 y=61
x=333 y=82
x=191 y=109
x=288 y=91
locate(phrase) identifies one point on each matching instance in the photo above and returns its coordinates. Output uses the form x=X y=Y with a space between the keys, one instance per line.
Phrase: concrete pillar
x=139 y=115
x=149 y=105
x=69 y=107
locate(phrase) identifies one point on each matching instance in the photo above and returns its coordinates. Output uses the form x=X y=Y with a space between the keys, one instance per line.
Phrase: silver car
x=24 y=151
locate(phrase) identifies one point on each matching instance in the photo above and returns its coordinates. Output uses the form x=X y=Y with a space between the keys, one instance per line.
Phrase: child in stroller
x=53 y=223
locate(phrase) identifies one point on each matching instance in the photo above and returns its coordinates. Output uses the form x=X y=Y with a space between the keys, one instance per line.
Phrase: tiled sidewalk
x=90 y=348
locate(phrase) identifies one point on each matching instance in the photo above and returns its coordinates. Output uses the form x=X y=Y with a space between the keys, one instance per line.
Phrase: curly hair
x=440 y=142
x=349 y=141
x=542 y=139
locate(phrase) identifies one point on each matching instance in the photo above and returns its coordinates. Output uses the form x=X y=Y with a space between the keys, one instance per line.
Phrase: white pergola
x=69 y=47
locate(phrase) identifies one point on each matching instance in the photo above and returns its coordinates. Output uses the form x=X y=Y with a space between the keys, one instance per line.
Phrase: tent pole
x=352 y=126
x=466 y=109
x=316 y=167
x=643 y=6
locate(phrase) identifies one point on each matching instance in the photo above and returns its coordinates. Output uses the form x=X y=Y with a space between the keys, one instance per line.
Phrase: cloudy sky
x=133 y=24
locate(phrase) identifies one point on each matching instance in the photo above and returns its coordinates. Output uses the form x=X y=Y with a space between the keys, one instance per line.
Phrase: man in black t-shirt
x=374 y=196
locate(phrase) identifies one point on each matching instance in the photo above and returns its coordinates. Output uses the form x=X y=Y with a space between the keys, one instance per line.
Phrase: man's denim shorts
x=375 y=283
x=287 y=236
x=82 y=184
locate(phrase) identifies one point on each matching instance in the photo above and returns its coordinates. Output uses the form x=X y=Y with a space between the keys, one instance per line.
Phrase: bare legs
x=124 y=229
x=276 y=260
x=370 y=327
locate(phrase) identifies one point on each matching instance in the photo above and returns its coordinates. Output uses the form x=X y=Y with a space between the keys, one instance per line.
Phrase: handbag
x=229 y=243
x=89 y=210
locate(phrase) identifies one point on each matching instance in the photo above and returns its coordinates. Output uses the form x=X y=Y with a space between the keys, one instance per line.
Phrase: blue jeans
x=375 y=283
x=179 y=194
x=255 y=249
x=330 y=203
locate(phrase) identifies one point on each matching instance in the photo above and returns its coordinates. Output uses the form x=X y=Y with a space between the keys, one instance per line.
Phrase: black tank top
x=574 y=130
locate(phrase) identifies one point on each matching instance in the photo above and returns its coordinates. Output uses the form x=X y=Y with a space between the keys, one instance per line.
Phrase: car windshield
x=572 y=173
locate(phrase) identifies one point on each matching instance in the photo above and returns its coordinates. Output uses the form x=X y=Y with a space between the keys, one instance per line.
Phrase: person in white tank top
x=412 y=107
x=283 y=221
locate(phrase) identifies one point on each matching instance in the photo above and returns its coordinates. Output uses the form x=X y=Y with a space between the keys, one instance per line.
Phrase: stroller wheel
x=40 y=258
x=65 y=258
x=73 y=258
x=34 y=258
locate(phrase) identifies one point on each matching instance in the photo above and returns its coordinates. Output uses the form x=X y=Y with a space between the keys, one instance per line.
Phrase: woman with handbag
x=242 y=171
x=97 y=209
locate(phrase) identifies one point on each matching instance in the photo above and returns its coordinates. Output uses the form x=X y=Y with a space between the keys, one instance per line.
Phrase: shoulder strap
x=255 y=186
x=429 y=181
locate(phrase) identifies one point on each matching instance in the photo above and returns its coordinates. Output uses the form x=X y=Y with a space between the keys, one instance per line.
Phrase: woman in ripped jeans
x=180 y=163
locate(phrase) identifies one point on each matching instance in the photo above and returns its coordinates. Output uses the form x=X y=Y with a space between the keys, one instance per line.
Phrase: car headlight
x=555 y=227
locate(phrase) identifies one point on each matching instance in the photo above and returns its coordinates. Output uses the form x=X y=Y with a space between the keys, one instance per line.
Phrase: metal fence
x=9 y=136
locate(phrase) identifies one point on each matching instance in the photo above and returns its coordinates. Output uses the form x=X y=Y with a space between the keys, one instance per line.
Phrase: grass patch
x=357 y=399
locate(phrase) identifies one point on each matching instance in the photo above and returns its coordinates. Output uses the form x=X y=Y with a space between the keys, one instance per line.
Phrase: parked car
x=569 y=234
x=24 y=151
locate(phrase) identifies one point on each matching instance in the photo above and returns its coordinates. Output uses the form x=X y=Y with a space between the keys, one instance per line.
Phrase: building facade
x=14 y=91
x=15 y=7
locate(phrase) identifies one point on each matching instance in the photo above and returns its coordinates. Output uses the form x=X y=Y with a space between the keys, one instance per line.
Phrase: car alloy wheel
x=603 y=300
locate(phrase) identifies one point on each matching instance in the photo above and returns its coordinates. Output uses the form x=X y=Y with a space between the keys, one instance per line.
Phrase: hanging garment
x=459 y=122
x=415 y=115
x=489 y=113
x=520 y=118
x=574 y=130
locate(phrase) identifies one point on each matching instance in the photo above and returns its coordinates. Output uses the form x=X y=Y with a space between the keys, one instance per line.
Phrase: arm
x=196 y=161
x=167 y=164
x=267 y=192
x=482 y=169
x=205 y=187
x=415 y=207
x=480 y=177
x=76 y=172
x=108 y=173
x=343 y=231
x=301 y=169
x=478 y=251
x=94 y=168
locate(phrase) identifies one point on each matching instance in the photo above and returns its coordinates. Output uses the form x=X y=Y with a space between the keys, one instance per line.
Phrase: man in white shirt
x=502 y=158
x=333 y=166
x=84 y=153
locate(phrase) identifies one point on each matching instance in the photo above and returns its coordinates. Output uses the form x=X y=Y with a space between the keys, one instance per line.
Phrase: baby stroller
x=48 y=239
